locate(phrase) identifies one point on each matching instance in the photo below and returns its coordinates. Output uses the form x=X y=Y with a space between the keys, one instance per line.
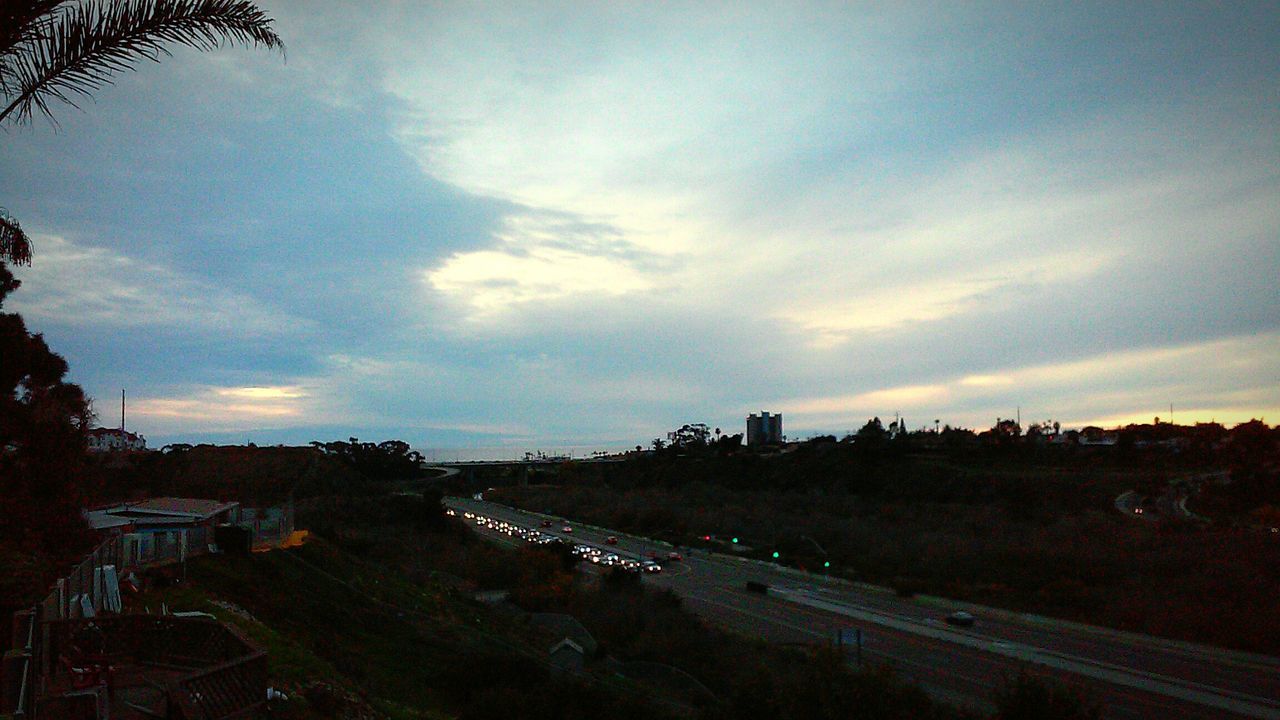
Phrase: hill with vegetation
x=1028 y=528
x=375 y=616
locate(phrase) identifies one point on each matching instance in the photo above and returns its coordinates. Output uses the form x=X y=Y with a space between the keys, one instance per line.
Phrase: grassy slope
x=409 y=651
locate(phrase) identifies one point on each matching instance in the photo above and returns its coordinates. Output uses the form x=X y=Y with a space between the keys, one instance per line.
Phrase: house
x=114 y=440
x=559 y=625
x=268 y=526
x=1093 y=436
x=567 y=656
x=163 y=530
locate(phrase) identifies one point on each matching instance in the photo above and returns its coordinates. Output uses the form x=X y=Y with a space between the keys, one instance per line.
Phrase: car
x=611 y=540
x=960 y=618
x=566 y=529
x=673 y=556
x=650 y=566
x=546 y=523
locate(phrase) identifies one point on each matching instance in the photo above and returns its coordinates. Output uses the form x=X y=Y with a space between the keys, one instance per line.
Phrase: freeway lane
x=1135 y=676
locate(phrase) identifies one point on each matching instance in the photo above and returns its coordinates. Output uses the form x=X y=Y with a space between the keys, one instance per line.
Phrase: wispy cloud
x=93 y=285
x=1224 y=379
x=539 y=259
x=217 y=409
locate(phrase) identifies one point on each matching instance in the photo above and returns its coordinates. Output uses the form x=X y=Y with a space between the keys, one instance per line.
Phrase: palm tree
x=65 y=49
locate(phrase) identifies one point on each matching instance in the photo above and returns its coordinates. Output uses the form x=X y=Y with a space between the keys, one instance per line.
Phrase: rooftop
x=155 y=510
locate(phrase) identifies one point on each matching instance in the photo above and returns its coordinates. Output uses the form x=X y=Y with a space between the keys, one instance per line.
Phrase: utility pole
x=121 y=409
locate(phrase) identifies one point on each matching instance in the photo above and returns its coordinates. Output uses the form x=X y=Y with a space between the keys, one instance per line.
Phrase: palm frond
x=22 y=22
x=84 y=44
x=15 y=246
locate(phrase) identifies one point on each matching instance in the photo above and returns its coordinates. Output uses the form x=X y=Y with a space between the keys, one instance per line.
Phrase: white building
x=115 y=440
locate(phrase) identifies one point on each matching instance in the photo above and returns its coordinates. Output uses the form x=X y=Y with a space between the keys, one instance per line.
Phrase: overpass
x=480 y=474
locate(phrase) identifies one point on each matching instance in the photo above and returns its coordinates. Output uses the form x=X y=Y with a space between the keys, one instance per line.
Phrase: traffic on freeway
x=955 y=651
x=588 y=552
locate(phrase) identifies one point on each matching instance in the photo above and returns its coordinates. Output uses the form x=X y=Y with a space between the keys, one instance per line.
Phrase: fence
x=18 y=672
x=85 y=580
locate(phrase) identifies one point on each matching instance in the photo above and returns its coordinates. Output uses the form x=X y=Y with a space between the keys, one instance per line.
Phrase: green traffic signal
x=775 y=554
x=826 y=564
x=735 y=541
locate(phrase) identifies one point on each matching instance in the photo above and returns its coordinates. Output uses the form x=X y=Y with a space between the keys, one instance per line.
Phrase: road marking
x=926 y=669
x=1189 y=691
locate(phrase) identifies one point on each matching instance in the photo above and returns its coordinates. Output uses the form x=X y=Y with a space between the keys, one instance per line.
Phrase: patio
x=148 y=666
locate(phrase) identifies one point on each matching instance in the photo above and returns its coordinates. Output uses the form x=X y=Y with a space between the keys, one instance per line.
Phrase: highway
x=1133 y=676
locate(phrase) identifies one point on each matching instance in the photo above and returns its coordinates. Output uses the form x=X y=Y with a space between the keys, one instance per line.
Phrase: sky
x=543 y=225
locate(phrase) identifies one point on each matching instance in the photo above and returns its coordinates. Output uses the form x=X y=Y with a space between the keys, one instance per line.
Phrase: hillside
x=248 y=474
x=1033 y=532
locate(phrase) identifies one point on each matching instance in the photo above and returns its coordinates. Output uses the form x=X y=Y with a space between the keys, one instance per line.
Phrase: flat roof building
x=764 y=429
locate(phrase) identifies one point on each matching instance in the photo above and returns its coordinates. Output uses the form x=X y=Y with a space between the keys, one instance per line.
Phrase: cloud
x=899 y=397
x=538 y=260
x=263 y=393
x=1231 y=380
x=912 y=302
x=556 y=221
x=215 y=409
x=86 y=285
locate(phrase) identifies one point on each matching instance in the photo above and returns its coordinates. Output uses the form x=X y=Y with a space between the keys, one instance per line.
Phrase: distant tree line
x=387 y=460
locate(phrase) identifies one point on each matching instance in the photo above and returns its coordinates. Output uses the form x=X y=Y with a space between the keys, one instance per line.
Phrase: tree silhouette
x=15 y=246
x=43 y=419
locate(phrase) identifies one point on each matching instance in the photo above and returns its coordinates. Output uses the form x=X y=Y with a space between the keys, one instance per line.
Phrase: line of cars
x=597 y=556
x=510 y=529
x=589 y=553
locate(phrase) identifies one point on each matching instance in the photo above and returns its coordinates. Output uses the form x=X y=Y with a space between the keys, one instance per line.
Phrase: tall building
x=764 y=429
